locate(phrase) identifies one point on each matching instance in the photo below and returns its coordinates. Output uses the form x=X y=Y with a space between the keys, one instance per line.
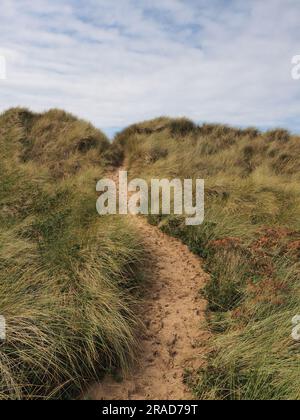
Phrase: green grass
x=68 y=278
x=250 y=241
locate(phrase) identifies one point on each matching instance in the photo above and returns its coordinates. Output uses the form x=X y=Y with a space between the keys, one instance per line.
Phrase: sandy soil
x=174 y=316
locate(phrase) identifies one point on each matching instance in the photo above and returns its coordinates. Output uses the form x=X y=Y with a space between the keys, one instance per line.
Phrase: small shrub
x=182 y=127
x=251 y=132
x=156 y=153
x=86 y=144
x=248 y=152
x=279 y=135
x=114 y=155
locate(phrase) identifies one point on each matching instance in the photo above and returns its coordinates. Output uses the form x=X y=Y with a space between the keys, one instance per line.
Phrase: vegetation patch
x=250 y=244
x=68 y=278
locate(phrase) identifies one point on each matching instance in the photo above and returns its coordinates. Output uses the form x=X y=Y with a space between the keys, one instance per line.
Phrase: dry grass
x=54 y=140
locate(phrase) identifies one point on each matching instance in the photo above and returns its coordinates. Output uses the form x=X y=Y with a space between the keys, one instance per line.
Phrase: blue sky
x=115 y=62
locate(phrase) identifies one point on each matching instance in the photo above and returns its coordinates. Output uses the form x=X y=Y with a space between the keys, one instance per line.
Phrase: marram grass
x=67 y=276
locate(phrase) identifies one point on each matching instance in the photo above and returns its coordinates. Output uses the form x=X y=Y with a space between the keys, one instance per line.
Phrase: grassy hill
x=250 y=241
x=67 y=276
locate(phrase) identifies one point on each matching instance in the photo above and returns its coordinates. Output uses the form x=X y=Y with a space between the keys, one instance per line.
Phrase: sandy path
x=173 y=313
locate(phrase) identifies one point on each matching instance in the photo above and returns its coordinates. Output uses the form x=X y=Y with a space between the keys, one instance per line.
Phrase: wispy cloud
x=117 y=62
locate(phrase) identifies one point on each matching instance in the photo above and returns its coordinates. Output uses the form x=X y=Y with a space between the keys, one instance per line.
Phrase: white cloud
x=118 y=62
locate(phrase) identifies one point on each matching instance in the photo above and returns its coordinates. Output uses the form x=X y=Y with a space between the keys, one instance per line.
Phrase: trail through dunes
x=172 y=311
